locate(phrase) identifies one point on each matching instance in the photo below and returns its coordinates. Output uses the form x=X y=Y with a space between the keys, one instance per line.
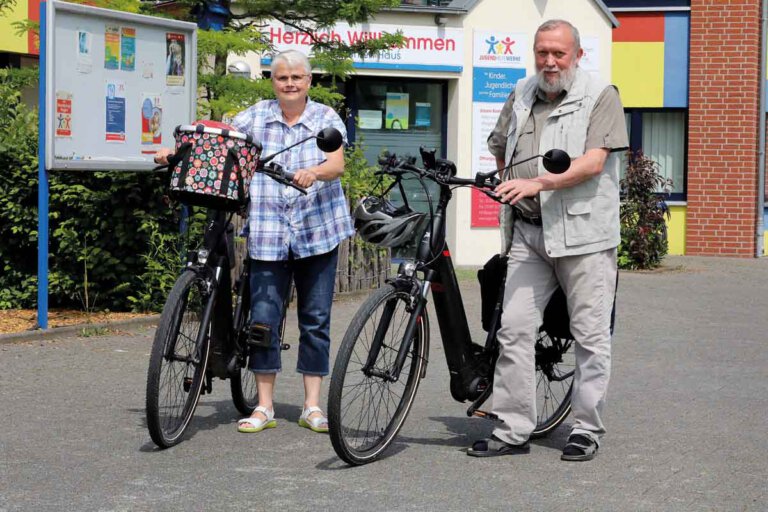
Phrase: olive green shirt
x=606 y=130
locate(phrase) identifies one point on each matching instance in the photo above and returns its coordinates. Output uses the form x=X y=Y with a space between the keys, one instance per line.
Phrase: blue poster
x=493 y=85
x=115 y=112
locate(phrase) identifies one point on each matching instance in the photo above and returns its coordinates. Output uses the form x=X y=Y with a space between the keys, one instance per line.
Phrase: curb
x=73 y=330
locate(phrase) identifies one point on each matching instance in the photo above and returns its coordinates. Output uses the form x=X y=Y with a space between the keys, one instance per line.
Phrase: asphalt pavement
x=686 y=418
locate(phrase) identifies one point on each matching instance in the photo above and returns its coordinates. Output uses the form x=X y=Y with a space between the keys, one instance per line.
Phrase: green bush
x=642 y=213
x=97 y=220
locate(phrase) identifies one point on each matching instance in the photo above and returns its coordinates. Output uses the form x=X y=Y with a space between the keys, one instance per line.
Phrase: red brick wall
x=723 y=127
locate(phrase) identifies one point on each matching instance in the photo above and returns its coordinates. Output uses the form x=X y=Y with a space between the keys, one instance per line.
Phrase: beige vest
x=582 y=219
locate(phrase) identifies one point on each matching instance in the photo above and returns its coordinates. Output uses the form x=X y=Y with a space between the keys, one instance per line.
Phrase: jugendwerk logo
x=500 y=50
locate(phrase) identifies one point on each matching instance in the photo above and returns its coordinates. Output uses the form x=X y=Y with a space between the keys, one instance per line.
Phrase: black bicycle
x=199 y=337
x=385 y=351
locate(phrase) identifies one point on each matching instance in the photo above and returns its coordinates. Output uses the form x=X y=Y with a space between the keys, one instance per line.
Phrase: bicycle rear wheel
x=365 y=412
x=177 y=363
x=555 y=367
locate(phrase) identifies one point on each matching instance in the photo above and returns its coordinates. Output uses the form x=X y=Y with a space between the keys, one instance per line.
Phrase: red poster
x=485 y=211
x=63 y=118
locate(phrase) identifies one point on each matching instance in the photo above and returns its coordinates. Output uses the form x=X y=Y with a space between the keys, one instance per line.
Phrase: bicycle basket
x=214 y=167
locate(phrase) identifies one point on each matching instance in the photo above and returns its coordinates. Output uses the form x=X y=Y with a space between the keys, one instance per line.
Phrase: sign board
x=424 y=48
x=117 y=84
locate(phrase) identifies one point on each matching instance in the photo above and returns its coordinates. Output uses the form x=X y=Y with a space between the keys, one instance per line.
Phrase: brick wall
x=723 y=127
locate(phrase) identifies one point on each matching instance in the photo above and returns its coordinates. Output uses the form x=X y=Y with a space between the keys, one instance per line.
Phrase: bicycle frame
x=470 y=365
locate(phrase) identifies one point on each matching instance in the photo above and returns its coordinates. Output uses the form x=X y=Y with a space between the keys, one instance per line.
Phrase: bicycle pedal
x=485 y=415
x=259 y=335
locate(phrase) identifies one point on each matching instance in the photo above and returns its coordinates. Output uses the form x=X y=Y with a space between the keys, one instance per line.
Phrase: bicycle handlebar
x=272 y=169
x=443 y=171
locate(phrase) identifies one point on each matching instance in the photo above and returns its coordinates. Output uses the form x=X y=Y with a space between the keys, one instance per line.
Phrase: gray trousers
x=589 y=283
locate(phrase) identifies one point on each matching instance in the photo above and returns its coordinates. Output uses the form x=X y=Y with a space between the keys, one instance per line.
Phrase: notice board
x=116 y=85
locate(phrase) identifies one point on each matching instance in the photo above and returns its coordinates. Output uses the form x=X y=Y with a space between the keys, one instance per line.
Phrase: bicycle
x=199 y=337
x=385 y=350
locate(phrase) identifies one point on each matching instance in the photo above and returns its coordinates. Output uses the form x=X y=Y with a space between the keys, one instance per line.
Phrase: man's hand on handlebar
x=512 y=191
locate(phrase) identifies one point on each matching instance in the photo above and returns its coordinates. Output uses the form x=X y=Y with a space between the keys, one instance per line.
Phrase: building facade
x=691 y=74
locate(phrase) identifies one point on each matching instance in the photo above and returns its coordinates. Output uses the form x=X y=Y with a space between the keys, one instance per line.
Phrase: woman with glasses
x=293 y=236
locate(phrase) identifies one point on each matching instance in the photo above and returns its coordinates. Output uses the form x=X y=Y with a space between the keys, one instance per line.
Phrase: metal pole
x=42 y=186
x=759 y=238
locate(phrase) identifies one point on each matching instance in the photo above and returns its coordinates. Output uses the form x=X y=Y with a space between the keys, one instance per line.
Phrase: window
x=661 y=135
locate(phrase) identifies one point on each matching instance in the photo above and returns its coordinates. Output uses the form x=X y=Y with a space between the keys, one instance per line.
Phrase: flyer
x=115 y=112
x=111 y=47
x=63 y=114
x=128 y=49
x=174 y=58
x=397 y=111
x=84 y=51
x=151 y=119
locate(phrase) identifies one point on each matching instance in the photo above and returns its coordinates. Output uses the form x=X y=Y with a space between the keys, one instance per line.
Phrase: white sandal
x=316 y=424
x=252 y=425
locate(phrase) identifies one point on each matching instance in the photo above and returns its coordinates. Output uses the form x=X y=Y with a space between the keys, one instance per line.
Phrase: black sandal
x=579 y=447
x=494 y=447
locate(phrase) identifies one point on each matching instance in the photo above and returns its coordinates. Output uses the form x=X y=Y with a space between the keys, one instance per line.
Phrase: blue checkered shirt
x=280 y=219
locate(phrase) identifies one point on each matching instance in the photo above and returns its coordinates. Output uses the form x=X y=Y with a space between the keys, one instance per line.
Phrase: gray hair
x=291 y=58
x=554 y=24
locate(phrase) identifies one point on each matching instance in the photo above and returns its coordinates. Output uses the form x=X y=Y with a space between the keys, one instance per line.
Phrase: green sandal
x=252 y=425
x=316 y=424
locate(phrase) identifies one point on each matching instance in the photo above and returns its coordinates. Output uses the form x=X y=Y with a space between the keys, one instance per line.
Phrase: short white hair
x=291 y=58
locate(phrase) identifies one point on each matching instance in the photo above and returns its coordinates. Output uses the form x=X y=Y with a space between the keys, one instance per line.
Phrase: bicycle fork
x=392 y=374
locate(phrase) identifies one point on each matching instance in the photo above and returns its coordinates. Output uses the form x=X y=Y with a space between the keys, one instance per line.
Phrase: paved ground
x=686 y=414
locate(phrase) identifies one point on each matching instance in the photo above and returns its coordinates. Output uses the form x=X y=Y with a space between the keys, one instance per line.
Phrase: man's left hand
x=512 y=191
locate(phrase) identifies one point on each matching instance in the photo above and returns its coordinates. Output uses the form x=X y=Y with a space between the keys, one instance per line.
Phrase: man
x=566 y=230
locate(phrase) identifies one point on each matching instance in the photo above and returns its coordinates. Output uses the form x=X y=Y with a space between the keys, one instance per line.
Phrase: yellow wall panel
x=676 y=230
x=9 y=41
x=638 y=72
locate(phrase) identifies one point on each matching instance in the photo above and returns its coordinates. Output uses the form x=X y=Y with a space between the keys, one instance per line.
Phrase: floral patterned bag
x=212 y=166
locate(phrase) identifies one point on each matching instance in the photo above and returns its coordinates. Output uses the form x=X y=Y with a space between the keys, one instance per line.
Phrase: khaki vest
x=582 y=219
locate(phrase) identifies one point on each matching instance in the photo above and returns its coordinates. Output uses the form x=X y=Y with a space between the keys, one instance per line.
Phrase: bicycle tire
x=365 y=413
x=555 y=368
x=174 y=383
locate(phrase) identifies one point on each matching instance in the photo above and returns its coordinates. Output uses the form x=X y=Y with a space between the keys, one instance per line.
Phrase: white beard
x=563 y=82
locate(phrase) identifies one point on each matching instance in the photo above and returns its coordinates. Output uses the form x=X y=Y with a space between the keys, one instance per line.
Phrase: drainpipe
x=761 y=143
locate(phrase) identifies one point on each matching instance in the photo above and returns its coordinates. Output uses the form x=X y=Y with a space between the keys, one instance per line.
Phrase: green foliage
x=643 y=230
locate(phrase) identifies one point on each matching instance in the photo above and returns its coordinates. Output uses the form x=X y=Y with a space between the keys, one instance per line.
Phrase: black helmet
x=380 y=222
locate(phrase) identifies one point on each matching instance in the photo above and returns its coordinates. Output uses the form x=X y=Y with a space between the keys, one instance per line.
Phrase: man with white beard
x=566 y=230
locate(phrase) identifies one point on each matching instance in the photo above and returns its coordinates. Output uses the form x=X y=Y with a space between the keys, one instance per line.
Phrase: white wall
x=473 y=246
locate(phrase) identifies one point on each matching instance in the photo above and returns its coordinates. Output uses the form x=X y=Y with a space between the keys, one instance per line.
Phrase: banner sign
x=498 y=62
x=425 y=48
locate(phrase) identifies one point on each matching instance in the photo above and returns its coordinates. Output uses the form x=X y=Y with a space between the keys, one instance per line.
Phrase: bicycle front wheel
x=365 y=410
x=177 y=363
x=555 y=368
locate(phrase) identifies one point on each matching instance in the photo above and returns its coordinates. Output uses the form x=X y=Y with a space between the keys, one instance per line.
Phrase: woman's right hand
x=161 y=157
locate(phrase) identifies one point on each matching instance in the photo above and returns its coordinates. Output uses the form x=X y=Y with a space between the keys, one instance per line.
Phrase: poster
x=498 y=62
x=115 y=112
x=174 y=58
x=111 y=47
x=397 y=111
x=63 y=118
x=423 y=113
x=84 y=51
x=369 y=119
x=151 y=119
x=128 y=49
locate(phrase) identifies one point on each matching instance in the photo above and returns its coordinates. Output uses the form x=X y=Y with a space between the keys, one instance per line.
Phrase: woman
x=293 y=236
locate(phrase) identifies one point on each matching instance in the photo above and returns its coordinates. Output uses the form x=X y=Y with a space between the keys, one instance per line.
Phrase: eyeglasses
x=283 y=79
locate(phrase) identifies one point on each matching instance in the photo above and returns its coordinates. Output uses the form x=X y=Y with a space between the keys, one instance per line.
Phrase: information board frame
x=102 y=154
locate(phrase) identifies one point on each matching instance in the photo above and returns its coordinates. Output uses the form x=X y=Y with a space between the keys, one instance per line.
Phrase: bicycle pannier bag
x=212 y=166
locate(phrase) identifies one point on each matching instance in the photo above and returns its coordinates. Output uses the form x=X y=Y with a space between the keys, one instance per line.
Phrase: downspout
x=759 y=241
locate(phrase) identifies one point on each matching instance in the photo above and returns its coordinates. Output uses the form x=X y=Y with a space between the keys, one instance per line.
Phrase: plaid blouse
x=280 y=218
